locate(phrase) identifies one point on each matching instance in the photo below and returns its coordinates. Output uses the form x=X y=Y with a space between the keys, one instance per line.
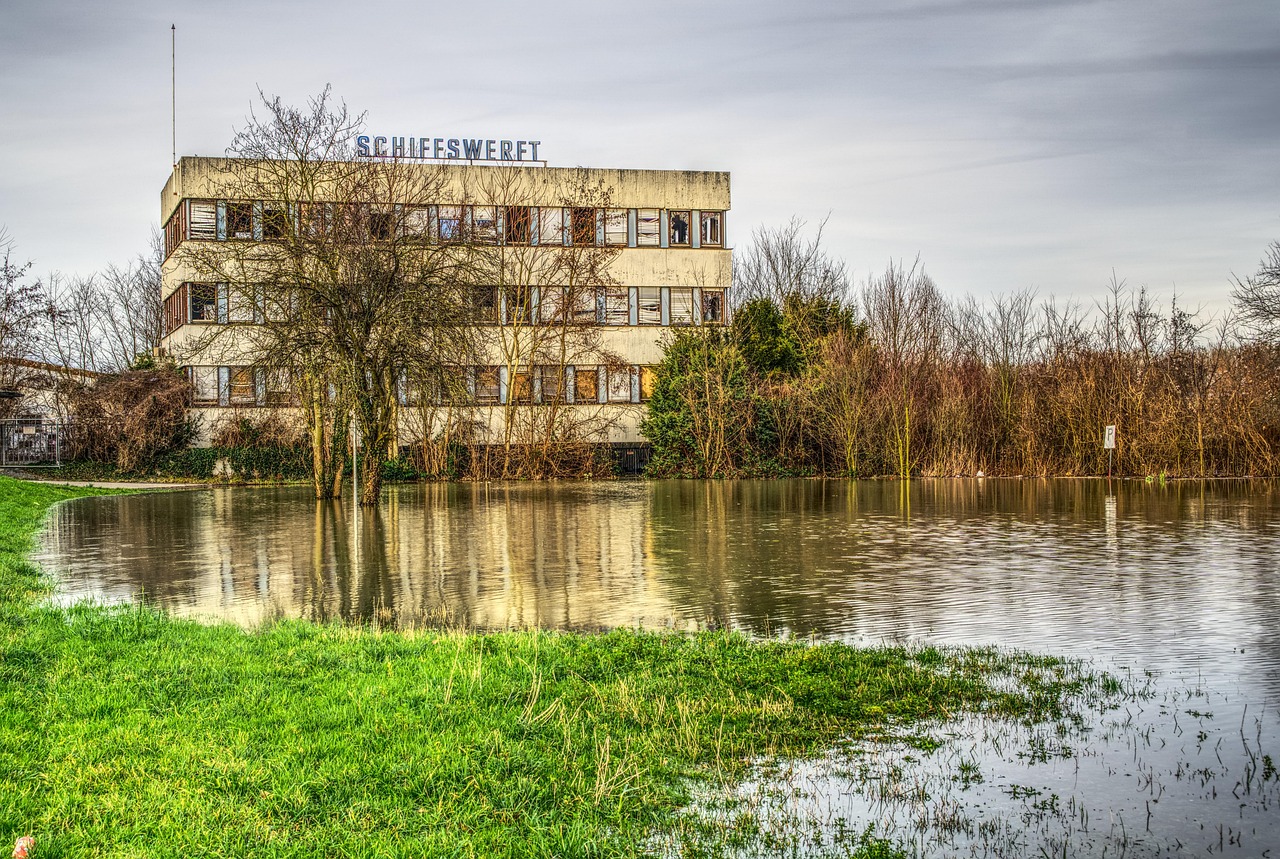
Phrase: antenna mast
x=173 y=88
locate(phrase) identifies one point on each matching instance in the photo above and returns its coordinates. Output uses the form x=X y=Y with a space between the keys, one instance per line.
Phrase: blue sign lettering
x=448 y=149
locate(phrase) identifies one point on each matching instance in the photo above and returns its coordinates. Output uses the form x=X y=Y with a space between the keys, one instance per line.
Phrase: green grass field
x=124 y=732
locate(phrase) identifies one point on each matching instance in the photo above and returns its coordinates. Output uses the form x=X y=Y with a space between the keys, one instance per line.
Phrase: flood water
x=1179 y=580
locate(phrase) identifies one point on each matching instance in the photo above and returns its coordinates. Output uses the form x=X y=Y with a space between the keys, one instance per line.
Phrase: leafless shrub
x=130 y=418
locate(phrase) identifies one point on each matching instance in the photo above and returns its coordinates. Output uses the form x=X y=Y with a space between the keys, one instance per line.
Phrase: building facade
x=659 y=236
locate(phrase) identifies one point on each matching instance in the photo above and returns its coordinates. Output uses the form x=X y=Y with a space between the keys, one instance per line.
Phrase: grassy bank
x=124 y=732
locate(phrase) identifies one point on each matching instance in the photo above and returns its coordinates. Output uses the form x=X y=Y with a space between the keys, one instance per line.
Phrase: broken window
x=678 y=228
x=204 y=385
x=204 y=220
x=484 y=225
x=712 y=306
x=681 y=306
x=619 y=385
x=415 y=223
x=313 y=219
x=241 y=390
x=279 y=387
x=582 y=226
x=583 y=301
x=517 y=225
x=551 y=226
x=488 y=391
x=586 y=384
x=204 y=302
x=551 y=378
x=650 y=305
x=648 y=381
x=450 y=223
x=239 y=220
x=275 y=221
x=615 y=227
x=484 y=304
x=617 y=305
x=712 y=228
x=519 y=304
x=551 y=305
x=521 y=390
x=381 y=224
x=647 y=228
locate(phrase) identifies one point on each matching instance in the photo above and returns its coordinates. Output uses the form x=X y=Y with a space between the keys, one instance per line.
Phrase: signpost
x=1109 y=442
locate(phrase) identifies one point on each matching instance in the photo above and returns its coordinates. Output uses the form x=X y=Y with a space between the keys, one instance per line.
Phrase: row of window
x=217 y=303
x=485 y=386
x=559 y=226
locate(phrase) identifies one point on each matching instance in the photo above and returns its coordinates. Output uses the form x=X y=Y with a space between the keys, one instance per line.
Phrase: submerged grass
x=126 y=732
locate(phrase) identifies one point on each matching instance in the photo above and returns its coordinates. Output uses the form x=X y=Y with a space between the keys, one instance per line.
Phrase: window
x=240 y=304
x=517 y=225
x=450 y=223
x=712 y=228
x=204 y=302
x=416 y=223
x=615 y=227
x=617 y=305
x=519 y=301
x=381 y=224
x=712 y=306
x=276 y=304
x=650 y=305
x=678 y=228
x=551 y=378
x=239 y=220
x=648 y=380
x=484 y=225
x=175 y=230
x=176 y=307
x=647 y=228
x=275 y=221
x=204 y=383
x=484 y=304
x=582 y=226
x=204 y=220
x=551 y=226
x=521 y=387
x=586 y=383
x=551 y=304
x=488 y=391
x=241 y=390
x=279 y=387
x=313 y=219
x=619 y=384
x=583 y=301
x=681 y=306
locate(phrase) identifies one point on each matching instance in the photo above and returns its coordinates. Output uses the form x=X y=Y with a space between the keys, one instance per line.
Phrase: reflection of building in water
x=482 y=555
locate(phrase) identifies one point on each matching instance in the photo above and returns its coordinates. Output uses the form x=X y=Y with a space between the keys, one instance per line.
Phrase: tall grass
x=923 y=386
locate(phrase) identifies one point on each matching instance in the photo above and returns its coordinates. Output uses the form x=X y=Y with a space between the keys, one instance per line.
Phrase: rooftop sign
x=448 y=149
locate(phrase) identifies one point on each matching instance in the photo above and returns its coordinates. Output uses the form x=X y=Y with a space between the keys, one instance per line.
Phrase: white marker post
x=1109 y=442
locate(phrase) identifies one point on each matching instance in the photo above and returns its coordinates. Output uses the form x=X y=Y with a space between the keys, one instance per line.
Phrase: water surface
x=1179 y=580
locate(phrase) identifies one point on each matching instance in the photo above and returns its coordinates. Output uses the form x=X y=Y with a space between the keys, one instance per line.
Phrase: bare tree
x=783 y=264
x=1258 y=297
x=132 y=313
x=25 y=315
x=344 y=293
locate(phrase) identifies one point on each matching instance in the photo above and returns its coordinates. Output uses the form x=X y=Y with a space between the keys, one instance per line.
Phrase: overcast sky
x=1008 y=143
